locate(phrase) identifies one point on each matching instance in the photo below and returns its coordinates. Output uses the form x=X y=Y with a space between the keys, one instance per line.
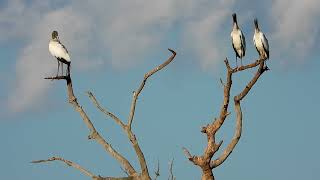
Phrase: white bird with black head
x=238 y=40
x=60 y=52
x=260 y=41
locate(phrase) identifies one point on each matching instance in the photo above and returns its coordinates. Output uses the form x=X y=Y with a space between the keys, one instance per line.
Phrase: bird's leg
x=58 y=68
x=241 y=61
x=62 y=68
x=68 y=70
x=236 y=61
x=265 y=62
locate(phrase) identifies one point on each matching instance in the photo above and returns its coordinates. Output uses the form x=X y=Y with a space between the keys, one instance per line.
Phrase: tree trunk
x=207 y=175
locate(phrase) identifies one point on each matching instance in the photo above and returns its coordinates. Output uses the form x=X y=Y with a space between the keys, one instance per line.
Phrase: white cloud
x=295 y=24
x=117 y=33
x=34 y=61
x=201 y=35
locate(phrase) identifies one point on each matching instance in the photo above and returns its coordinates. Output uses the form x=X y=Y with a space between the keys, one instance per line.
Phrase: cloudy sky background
x=113 y=43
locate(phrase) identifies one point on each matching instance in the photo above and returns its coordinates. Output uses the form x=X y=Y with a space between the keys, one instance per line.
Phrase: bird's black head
x=54 y=34
x=256 y=23
x=234 y=16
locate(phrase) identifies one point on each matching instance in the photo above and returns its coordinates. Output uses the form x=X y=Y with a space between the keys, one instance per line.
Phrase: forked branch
x=132 y=174
x=127 y=127
x=205 y=161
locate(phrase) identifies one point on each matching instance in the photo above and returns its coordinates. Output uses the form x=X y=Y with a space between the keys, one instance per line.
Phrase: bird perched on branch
x=260 y=41
x=238 y=40
x=60 y=52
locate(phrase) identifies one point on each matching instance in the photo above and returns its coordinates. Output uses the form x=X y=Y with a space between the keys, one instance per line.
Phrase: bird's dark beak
x=234 y=16
x=256 y=23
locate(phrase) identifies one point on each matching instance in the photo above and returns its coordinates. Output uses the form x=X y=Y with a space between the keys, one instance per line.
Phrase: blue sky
x=113 y=43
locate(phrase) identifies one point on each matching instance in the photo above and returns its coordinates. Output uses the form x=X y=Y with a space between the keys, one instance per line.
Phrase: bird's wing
x=265 y=43
x=234 y=48
x=243 y=42
x=255 y=42
x=64 y=52
x=59 y=51
x=63 y=47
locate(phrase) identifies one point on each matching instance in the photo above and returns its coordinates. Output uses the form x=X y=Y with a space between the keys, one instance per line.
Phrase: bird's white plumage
x=238 y=42
x=58 y=50
x=261 y=43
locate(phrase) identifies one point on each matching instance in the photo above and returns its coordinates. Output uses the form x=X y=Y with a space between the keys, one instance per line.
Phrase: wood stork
x=238 y=40
x=260 y=41
x=59 y=51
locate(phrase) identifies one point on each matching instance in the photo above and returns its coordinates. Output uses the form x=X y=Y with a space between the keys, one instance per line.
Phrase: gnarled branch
x=205 y=161
x=237 y=104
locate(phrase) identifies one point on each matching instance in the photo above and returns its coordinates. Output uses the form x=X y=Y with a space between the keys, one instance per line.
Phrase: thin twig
x=187 y=153
x=105 y=111
x=69 y=163
x=157 y=171
x=171 y=176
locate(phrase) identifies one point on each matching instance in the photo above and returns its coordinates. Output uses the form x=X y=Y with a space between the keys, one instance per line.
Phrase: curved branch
x=226 y=98
x=146 y=76
x=69 y=163
x=234 y=140
x=136 y=94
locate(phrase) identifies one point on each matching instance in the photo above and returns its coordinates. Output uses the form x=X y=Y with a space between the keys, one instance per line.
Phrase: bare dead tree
x=205 y=161
x=132 y=173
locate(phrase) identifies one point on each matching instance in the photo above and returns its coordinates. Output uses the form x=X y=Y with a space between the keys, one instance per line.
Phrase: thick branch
x=69 y=163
